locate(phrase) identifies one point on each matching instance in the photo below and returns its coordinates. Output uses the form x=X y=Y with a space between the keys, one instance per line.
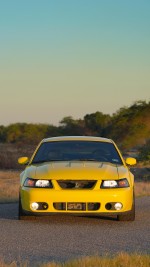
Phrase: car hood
x=76 y=170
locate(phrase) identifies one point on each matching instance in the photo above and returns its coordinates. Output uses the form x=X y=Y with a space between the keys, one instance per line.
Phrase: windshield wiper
x=43 y=161
x=84 y=159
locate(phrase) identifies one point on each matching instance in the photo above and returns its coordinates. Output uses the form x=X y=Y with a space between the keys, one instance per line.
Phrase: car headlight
x=29 y=182
x=115 y=183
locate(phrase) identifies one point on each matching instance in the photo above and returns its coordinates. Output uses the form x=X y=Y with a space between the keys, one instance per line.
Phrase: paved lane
x=61 y=238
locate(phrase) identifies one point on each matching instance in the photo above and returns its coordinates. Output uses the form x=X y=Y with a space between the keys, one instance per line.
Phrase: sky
x=62 y=58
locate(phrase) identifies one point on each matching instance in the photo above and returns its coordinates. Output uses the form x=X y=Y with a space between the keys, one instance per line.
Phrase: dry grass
x=142 y=189
x=9 y=154
x=121 y=260
x=9 y=187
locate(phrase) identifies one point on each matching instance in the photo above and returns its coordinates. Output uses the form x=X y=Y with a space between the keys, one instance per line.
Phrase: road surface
x=61 y=238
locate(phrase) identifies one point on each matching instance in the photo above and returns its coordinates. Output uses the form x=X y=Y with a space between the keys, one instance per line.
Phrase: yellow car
x=77 y=175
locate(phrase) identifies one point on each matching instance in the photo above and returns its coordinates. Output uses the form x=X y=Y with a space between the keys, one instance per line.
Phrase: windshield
x=77 y=151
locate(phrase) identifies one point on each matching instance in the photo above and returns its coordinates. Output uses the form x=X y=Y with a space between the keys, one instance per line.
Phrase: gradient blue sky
x=72 y=57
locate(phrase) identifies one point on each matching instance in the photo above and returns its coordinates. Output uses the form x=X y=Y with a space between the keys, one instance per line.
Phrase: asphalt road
x=61 y=238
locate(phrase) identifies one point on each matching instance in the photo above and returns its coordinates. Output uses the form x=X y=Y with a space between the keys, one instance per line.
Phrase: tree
x=25 y=133
x=144 y=152
x=69 y=126
x=2 y=134
x=97 y=122
x=130 y=127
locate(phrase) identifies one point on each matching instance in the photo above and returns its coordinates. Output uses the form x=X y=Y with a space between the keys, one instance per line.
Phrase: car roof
x=79 y=138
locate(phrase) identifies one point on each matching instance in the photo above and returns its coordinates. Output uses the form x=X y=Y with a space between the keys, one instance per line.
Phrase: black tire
x=130 y=216
x=21 y=215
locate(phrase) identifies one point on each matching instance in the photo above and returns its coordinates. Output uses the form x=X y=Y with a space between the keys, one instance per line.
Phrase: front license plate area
x=76 y=206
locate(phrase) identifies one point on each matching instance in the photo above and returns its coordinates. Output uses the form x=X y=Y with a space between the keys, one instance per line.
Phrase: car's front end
x=83 y=185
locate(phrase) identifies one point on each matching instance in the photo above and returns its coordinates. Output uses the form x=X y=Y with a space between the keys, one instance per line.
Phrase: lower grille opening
x=93 y=206
x=59 y=206
x=77 y=206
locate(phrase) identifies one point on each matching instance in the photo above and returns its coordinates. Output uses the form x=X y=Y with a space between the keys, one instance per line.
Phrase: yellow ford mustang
x=79 y=175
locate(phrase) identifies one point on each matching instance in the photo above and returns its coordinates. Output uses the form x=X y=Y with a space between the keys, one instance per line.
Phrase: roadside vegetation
x=121 y=260
x=142 y=189
x=9 y=186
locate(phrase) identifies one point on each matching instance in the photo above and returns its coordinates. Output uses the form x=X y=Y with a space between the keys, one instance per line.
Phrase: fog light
x=34 y=206
x=118 y=206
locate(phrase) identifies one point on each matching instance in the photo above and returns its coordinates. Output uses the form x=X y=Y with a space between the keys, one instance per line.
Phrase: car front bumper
x=100 y=201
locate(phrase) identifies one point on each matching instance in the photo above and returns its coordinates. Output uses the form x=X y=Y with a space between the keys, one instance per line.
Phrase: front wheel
x=130 y=216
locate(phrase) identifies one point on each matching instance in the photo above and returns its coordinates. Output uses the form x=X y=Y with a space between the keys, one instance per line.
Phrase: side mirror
x=130 y=161
x=23 y=160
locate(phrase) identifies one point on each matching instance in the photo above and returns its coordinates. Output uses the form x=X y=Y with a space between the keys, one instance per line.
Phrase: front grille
x=76 y=184
x=76 y=206
x=59 y=205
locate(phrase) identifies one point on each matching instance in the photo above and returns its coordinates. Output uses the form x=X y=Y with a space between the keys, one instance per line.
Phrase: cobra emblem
x=77 y=185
